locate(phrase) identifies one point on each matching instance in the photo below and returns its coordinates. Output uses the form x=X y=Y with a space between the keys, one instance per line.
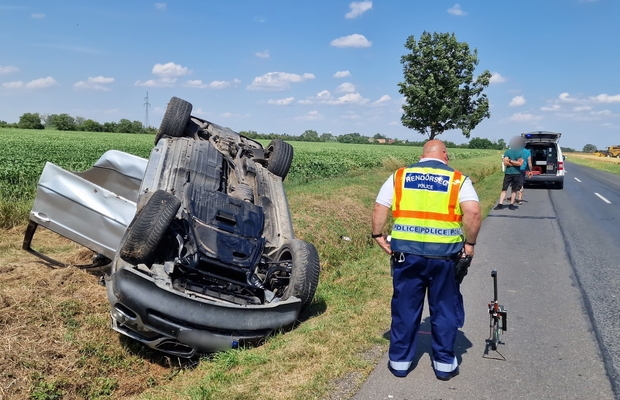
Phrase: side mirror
x=563 y=157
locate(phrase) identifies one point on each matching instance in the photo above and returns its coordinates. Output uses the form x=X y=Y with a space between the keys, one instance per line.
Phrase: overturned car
x=196 y=242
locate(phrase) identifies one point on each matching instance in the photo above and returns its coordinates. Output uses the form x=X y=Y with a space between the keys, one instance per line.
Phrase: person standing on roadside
x=436 y=222
x=526 y=168
x=513 y=159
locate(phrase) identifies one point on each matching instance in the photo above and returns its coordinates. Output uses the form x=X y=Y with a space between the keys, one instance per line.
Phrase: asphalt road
x=559 y=277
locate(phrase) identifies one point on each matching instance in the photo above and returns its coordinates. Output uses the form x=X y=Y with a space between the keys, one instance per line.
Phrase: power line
x=146 y=106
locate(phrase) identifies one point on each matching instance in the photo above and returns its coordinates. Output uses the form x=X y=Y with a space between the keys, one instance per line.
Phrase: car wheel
x=560 y=185
x=280 y=157
x=148 y=228
x=618 y=156
x=305 y=270
x=175 y=119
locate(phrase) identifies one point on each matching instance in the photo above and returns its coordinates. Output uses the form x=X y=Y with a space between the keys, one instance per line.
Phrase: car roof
x=541 y=136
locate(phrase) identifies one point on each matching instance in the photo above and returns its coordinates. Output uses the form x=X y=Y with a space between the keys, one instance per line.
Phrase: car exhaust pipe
x=204 y=341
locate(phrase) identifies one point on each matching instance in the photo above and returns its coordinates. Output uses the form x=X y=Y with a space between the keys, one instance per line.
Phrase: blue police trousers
x=412 y=278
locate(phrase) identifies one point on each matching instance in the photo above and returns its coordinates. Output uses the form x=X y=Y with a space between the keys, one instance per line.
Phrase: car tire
x=175 y=119
x=618 y=156
x=560 y=185
x=280 y=157
x=305 y=270
x=148 y=228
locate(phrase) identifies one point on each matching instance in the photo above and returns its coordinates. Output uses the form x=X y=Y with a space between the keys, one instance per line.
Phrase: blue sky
x=328 y=65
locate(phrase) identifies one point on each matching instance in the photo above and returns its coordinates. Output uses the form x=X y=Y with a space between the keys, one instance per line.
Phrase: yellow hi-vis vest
x=426 y=210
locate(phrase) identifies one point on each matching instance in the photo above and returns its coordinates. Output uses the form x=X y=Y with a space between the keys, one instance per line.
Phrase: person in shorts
x=526 y=168
x=513 y=159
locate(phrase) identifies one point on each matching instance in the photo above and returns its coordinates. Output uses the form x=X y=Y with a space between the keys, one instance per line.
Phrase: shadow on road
x=424 y=342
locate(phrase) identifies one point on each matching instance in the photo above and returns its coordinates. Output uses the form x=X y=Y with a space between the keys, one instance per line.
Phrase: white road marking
x=577 y=180
x=602 y=198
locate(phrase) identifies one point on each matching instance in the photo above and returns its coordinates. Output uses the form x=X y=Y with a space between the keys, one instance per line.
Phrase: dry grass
x=585 y=156
x=608 y=164
x=55 y=340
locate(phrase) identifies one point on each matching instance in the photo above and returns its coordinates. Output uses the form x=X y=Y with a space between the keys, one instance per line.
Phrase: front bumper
x=181 y=325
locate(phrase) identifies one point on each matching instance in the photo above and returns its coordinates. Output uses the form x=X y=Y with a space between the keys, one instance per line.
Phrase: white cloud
x=342 y=74
x=160 y=6
x=382 y=100
x=565 y=97
x=95 y=83
x=236 y=81
x=394 y=123
x=277 y=81
x=111 y=111
x=306 y=102
x=517 y=101
x=230 y=115
x=554 y=107
x=524 y=117
x=346 y=87
x=219 y=84
x=349 y=98
x=602 y=112
x=496 y=77
x=456 y=10
x=358 y=8
x=262 y=54
x=38 y=16
x=8 y=69
x=198 y=84
x=40 y=83
x=13 y=85
x=355 y=40
x=350 y=115
x=310 y=116
x=605 y=98
x=581 y=108
x=281 y=102
x=162 y=82
x=170 y=70
x=324 y=95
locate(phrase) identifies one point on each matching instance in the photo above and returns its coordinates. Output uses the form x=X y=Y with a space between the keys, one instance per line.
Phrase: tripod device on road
x=497 y=318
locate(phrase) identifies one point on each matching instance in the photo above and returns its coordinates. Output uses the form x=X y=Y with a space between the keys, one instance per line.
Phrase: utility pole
x=146 y=106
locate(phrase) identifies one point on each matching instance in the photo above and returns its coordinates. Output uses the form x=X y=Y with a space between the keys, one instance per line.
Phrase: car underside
x=209 y=260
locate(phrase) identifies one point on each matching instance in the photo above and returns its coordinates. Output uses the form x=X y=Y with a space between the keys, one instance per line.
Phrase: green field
x=331 y=192
x=25 y=153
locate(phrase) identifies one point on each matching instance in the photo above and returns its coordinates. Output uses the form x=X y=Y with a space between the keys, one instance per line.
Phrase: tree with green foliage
x=309 y=136
x=481 y=143
x=440 y=90
x=589 y=148
x=353 y=138
x=92 y=126
x=109 y=127
x=327 y=137
x=30 y=121
x=65 y=122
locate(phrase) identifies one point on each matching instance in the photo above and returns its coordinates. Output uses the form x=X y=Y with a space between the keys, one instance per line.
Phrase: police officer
x=436 y=220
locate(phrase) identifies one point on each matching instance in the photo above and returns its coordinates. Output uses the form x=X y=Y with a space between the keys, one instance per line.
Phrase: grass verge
x=55 y=341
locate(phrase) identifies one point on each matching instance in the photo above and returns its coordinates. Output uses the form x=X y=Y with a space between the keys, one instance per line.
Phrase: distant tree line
x=65 y=122
x=356 y=138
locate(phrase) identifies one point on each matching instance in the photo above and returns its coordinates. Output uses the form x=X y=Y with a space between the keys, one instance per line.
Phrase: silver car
x=196 y=243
